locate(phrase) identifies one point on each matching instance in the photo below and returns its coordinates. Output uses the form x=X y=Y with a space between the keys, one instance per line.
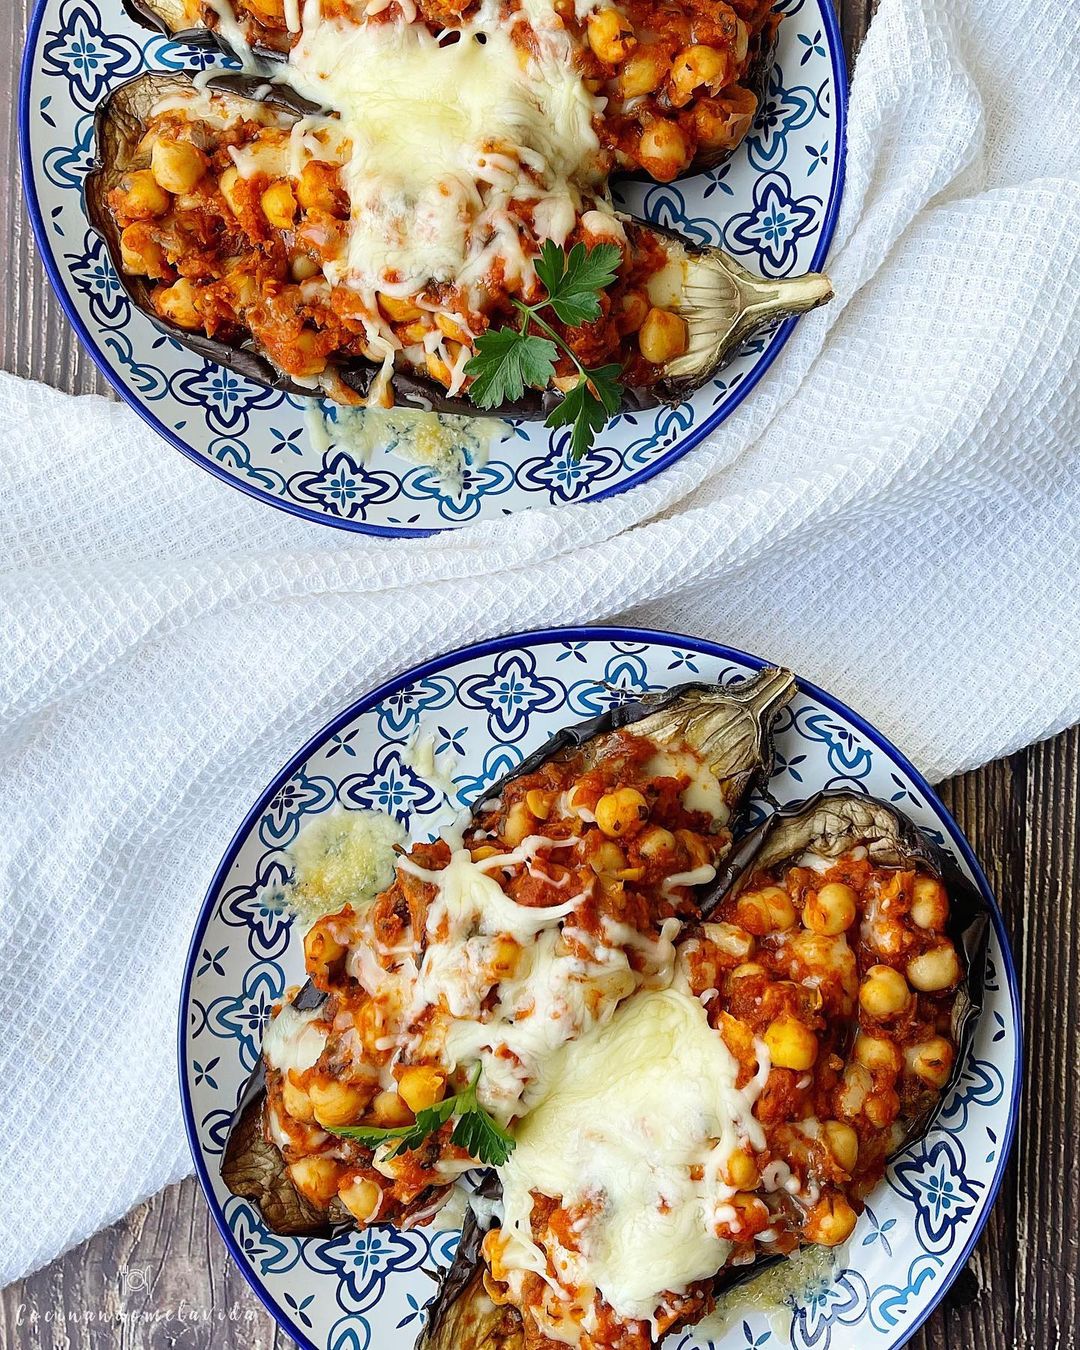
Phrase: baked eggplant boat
x=374 y=222
x=681 y=83
x=432 y=1014
x=840 y=973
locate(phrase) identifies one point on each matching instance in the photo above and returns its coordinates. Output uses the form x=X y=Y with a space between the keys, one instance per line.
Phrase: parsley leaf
x=574 y=280
x=475 y=1131
x=481 y=1137
x=505 y=362
x=582 y=410
x=586 y=410
x=508 y=359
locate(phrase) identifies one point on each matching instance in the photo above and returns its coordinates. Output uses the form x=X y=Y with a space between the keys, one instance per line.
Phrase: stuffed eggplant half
x=433 y=1013
x=414 y=210
x=814 y=1022
x=676 y=85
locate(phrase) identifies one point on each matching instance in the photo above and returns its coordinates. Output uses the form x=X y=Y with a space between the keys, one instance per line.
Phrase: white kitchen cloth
x=895 y=513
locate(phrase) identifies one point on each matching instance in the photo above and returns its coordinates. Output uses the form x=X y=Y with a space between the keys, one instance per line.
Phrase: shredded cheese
x=447 y=139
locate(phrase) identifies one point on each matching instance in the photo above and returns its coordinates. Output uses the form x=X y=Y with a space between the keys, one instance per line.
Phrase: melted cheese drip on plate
x=627 y=1111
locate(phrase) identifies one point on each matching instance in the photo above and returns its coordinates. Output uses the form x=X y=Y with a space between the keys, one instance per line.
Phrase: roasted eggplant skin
x=461 y=1316
x=253 y=1166
x=730 y=304
x=117 y=133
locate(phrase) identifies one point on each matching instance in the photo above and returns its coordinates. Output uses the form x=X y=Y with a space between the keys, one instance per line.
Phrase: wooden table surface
x=161 y=1279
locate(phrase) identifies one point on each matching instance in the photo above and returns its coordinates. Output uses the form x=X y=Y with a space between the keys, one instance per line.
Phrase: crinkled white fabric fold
x=894 y=513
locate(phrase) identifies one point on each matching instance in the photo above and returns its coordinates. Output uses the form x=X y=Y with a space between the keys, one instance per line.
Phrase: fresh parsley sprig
x=475 y=1131
x=508 y=360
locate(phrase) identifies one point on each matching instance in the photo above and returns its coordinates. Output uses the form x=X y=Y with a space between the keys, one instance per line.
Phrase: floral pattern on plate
x=485 y=708
x=773 y=205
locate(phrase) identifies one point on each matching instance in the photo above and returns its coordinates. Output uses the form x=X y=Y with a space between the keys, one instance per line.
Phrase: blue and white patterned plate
x=486 y=707
x=774 y=207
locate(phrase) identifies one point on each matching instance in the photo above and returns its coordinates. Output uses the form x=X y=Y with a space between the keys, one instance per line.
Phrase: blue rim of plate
x=719 y=414
x=539 y=636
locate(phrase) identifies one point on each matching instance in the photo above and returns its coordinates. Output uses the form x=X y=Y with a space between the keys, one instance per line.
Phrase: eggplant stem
x=782 y=297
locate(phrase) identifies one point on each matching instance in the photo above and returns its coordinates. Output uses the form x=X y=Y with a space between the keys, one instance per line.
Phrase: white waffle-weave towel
x=895 y=513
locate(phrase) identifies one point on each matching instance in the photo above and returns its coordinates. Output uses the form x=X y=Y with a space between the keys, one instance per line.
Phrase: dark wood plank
x=160 y=1278
x=35 y=337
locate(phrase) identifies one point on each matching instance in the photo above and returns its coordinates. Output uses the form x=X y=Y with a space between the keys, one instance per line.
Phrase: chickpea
x=144 y=197
x=882 y=1107
x=932 y=1061
x=141 y=255
x=539 y=803
x=697 y=850
x=452 y=329
x=884 y=992
x=484 y=851
x=663 y=149
x=618 y=812
x=303 y=267
x=831 y=910
x=413 y=333
x=854 y=1089
x=877 y=1054
x=696 y=66
x=608 y=859
x=765 y=911
x=177 y=304
x=518 y=825
x=242 y=285
x=935 y=970
x=631 y=309
x=831 y=1221
x=317 y=188
x=742 y=1171
x=279 y=205
x=227 y=186
x=929 y=904
x=306 y=357
x=643 y=72
x=503 y=957
x=362 y=1198
x=177 y=165
x=732 y=940
x=296 y=1101
x=399 y=311
x=747 y=970
x=437 y=368
x=751 y=1215
x=421 y=1086
x=388 y=1109
x=338 y=1103
x=321 y=949
x=791 y=1044
x=663 y=336
x=655 y=841
x=611 y=36
x=842 y=1142
x=316 y=1179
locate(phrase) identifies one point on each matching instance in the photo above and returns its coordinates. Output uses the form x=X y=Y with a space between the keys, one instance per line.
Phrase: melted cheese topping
x=294 y=1039
x=704 y=792
x=625 y=1113
x=440 y=132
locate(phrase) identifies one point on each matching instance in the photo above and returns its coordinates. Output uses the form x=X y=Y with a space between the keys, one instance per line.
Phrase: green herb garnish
x=509 y=359
x=475 y=1130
